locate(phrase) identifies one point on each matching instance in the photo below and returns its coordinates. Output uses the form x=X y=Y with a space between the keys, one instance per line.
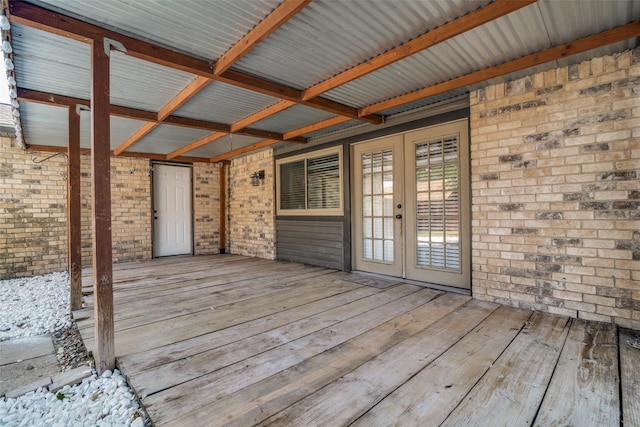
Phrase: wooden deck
x=230 y=340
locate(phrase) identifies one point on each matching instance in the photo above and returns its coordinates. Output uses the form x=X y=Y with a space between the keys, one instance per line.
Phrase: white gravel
x=97 y=401
x=40 y=305
x=35 y=305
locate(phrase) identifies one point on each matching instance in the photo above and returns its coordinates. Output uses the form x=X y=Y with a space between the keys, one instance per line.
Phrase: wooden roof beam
x=34 y=16
x=262 y=114
x=591 y=42
x=39 y=97
x=561 y=51
x=256 y=84
x=438 y=35
x=243 y=150
x=46 y=20
x=185 y=94
x=281 y=14
x=315 y=126
x=87 y=151
x=29 y=95
x=196 y=144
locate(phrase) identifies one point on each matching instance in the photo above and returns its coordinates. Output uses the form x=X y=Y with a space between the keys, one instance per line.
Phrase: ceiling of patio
x=209 y=80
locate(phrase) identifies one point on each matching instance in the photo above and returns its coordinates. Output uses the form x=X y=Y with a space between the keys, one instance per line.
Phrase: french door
x=411 y=205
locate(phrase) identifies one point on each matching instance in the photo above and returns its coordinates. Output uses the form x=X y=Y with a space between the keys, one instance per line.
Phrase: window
x=310 y=184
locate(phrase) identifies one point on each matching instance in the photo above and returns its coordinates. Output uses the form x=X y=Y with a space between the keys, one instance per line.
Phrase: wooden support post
x=101 y=213
x=74 y=232
x=223 y=208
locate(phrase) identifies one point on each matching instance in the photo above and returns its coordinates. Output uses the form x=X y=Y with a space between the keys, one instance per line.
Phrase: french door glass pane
x=377 y=206
x=438 y=204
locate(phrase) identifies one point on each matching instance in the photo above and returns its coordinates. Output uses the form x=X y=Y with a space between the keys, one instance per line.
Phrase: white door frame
x=404 y=146
x=154 y=214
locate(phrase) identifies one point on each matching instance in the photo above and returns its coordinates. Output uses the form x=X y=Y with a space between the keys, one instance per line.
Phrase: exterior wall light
x=256 y=177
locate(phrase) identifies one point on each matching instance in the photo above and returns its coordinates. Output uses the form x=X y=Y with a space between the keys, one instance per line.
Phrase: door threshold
x=429 y=285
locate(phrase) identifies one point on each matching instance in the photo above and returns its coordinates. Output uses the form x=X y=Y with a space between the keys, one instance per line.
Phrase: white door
x=425 y=233
x=378 y=239
x=172 y=210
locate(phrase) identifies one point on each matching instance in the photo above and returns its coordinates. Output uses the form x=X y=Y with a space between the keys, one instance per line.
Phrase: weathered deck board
x=260 y=400
x=349 y=397
x=142 y=361
x=188 y=368
x=288 y=344
x=511 y=391
x=198 y=322
x=630 y=378
x=586 y=377
x=230 y=379
x=430 y=396
x=216 y=296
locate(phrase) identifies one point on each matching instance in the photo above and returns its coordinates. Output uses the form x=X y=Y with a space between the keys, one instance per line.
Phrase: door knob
x=398 y=216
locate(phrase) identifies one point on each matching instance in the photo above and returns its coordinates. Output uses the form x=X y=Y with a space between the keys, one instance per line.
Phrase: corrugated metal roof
x=120 y=129
x=44 y=124
x=50 y=63
x=329 y=36
x=134 y=83
x=482 y=47
x=323 y=39
x=223 y=145
x=203 y=28
x=292 y=118
x=222 y=103
x=165 y=138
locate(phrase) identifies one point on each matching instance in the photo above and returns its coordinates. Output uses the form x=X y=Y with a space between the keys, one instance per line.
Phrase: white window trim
x=311 y=212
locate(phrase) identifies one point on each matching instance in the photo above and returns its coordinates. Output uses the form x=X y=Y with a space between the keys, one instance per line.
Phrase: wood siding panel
x=318 y=243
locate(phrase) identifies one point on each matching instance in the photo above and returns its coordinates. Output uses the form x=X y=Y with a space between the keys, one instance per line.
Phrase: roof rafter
x=28 y=95
x=270 y=24
x=256 y=84
x=438 y=35
x=262 y=114
x=281 y=14
x=242 y=150
x=87 y=151
x=37 y=17
x=567 y=49
x=196 y=144
x=185 y=94
x=587 y=43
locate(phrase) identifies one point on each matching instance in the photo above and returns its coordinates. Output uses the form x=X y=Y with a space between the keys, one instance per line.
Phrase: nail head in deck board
x=430 y=396
x=586 y=377
x=345 y=400
x=218 y=357
x=265 y=398
x=630 y=368
x=511 y=391
x=104 y=353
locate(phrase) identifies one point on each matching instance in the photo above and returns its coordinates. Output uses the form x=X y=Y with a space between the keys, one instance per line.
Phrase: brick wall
x=251 y=210
x=33 y=206
x=130 y=209
x=32 y=212
x=556 y=190
x=206 y=199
